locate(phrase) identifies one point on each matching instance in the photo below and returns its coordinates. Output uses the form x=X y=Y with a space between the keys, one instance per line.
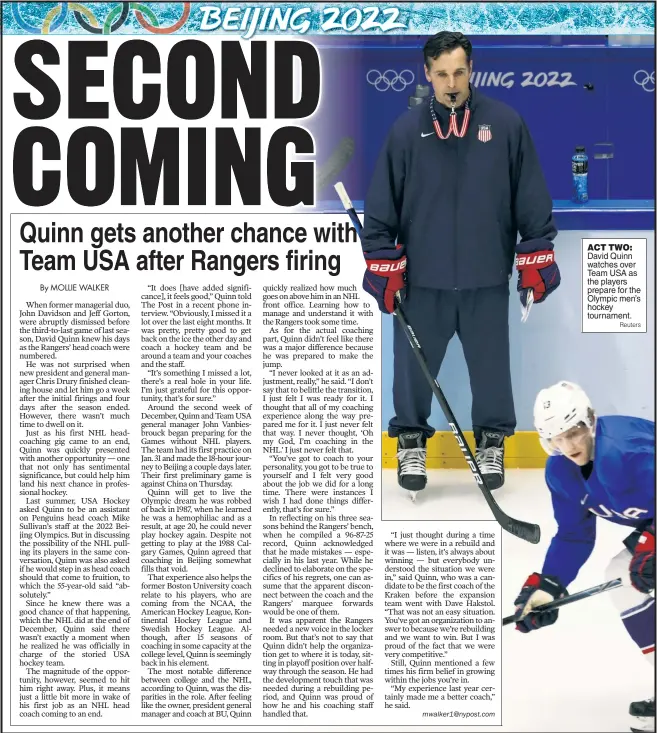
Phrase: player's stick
x=570 y=599
x=524 y=530
x=524 y=309
x=335 y=164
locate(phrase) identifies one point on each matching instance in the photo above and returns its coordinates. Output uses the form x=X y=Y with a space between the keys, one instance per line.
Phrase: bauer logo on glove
x=387 y=266
x=535 y=259
x=385 y=276
x=537 y=270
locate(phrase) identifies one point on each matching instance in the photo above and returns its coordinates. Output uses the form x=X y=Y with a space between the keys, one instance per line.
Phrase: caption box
x=614 y=280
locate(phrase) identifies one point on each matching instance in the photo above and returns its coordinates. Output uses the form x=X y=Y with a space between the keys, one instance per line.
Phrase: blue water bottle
x=580 y=175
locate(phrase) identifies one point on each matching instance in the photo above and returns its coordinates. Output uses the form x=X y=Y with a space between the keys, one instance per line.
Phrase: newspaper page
x=281 y=374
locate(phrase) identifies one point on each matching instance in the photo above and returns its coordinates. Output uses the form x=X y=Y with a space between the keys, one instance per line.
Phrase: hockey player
x=458 y=178
x=598 y=467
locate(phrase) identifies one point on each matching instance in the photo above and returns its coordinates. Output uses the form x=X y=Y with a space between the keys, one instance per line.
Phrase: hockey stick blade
x=602 y=588
x=524 y=530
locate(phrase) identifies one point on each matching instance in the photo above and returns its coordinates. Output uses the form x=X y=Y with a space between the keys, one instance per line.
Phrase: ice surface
x=579 y=674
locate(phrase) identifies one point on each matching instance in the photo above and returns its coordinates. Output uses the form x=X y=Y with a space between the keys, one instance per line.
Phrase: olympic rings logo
x=390 y=79
x=645 y=80
x=86 y=19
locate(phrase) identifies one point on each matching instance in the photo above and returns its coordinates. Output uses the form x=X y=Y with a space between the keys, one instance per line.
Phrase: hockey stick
x=570 y=599
x=335 y=164
x=523 y=530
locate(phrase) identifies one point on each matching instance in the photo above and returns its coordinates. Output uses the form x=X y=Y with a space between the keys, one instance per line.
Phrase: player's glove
x=385 y=276
x=537 y=590
x=537 y=269
x=642 y=564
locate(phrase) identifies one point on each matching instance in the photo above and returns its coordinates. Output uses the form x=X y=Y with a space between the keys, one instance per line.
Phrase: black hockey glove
x=537 y=591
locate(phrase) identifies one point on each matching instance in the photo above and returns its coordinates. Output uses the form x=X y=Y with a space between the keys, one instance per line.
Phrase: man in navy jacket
x=457 y=180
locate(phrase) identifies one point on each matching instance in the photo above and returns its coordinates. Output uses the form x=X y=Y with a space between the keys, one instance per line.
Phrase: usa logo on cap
x=484 y=133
